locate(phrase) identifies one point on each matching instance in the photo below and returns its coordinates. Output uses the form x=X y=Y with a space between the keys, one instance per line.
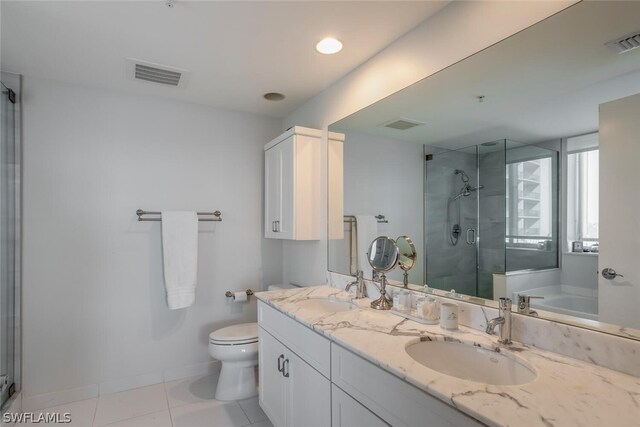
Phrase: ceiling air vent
x=402 y=124
x=625 y=44
x=156 y=73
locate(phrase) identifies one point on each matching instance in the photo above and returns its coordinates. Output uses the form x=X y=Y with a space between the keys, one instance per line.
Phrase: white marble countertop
x=566 y=392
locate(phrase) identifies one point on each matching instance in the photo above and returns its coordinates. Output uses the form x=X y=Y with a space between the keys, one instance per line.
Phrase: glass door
x=8 y=241
x=451 y=220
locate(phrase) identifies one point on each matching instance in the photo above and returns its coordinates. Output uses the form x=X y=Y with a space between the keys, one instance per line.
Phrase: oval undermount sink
x=326 y=305
x=470 y=362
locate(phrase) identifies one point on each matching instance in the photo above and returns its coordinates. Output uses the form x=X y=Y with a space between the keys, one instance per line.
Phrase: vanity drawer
x=390 y=398
x=307 y=344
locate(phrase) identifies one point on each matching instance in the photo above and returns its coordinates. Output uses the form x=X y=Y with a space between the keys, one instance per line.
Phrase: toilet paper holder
x=229 y=294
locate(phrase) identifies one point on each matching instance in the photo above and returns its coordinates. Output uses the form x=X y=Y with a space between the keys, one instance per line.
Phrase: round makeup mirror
x=383 y=254
x=407 y=256
x=383 y=257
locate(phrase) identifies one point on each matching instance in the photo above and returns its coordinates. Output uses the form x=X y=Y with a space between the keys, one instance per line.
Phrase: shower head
x=464 y=177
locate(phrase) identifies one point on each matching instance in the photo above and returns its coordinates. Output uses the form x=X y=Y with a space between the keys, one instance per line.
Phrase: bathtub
x=557 y=301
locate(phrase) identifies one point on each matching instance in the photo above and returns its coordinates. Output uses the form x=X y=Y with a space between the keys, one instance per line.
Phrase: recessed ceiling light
x=329 y=46
x=273 y=96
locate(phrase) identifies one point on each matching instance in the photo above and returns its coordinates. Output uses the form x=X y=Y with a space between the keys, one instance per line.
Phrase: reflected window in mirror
x=582 y=193
x=529 y=204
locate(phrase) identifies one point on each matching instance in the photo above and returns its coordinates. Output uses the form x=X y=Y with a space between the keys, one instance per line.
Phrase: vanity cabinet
x=390 y=398
x=348 y=412
x=293 y=392
x=292 y=185
x=306 y=380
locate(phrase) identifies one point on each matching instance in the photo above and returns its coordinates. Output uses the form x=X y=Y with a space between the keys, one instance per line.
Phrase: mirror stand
x=382 y=303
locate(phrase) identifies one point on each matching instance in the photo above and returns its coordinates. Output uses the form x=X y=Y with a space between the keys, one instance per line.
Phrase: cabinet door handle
x=285 y=368
x=277 y=226
x=280 y=365
x=273 y=226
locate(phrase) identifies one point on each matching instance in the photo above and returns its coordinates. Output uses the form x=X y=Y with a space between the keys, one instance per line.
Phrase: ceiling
x=543 y=83
x=236 y=51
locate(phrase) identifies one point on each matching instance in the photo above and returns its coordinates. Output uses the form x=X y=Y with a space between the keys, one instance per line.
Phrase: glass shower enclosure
x=489 y=208
x=9 y=241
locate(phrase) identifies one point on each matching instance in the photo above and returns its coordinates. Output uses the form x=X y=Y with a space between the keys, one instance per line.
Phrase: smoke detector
x=156 y=73
x=402 y=124
x=626 y=43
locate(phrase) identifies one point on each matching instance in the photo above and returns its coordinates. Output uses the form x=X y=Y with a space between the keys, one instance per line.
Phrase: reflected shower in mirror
x=496 y=173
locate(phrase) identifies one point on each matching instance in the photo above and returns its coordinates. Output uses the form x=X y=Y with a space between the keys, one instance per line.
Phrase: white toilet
x=237 y=348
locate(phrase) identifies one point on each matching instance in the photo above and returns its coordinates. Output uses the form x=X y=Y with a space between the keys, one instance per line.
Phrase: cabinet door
x=286 y=217
x=272 y=382
x=272 y=191
x=348 y=412
x=308 y=395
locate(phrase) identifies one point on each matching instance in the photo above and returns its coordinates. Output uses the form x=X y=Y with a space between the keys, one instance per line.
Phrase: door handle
x=285 y=368
x=610 y=274
x=280 y=365
x=273 y=226
x=277 y=226
x=472 y=240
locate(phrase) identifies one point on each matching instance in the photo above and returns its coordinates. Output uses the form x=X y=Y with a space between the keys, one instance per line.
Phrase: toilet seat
x=244 y=333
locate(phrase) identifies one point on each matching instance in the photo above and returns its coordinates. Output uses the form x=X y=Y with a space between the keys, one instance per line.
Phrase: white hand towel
x=366 y=232
x=180 y=253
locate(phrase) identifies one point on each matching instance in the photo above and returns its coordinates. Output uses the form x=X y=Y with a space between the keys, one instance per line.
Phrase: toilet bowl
x=237 y=348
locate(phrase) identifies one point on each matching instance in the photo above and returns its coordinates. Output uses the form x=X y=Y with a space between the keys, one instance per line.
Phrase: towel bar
x=381 y=219
x=140 y=213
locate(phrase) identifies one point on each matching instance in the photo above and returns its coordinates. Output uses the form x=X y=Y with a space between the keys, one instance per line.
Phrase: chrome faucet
x=361 y=288
x=503 y=321
x=524 y=304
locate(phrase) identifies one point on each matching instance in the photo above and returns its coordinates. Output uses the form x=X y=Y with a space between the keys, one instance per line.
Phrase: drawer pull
x=285 y=368
x=280 y=364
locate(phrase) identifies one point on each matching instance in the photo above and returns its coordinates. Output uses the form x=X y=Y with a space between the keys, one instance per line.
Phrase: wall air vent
x=402 y=124
x=625 y=44
x=156 y=73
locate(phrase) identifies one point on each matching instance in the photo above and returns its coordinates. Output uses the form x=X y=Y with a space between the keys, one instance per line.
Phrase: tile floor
x=182 y=403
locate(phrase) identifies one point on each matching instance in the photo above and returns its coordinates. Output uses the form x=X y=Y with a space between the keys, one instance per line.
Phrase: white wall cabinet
x=293 y=393
x=292 y=185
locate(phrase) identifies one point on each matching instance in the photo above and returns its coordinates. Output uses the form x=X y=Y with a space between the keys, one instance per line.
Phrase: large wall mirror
x=505 y=171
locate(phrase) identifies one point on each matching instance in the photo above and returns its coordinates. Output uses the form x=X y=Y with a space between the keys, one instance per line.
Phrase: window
x=582 y=190
x=530 y=204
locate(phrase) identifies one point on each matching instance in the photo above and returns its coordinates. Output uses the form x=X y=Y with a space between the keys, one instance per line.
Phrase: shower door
x=9 y=259
x=465 y=218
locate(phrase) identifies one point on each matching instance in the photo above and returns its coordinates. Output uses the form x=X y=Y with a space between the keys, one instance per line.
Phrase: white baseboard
x=210 y=367
x=13 y=406
x=122 y=384
x=48 y=400
x=55 y=398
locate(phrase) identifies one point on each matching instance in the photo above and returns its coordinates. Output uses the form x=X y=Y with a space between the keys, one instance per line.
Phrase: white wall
x=95 y=316
x=456 y=32
x=384 y=176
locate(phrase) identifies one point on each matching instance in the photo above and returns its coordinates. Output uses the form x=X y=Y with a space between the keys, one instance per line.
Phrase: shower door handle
x=471 y=236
